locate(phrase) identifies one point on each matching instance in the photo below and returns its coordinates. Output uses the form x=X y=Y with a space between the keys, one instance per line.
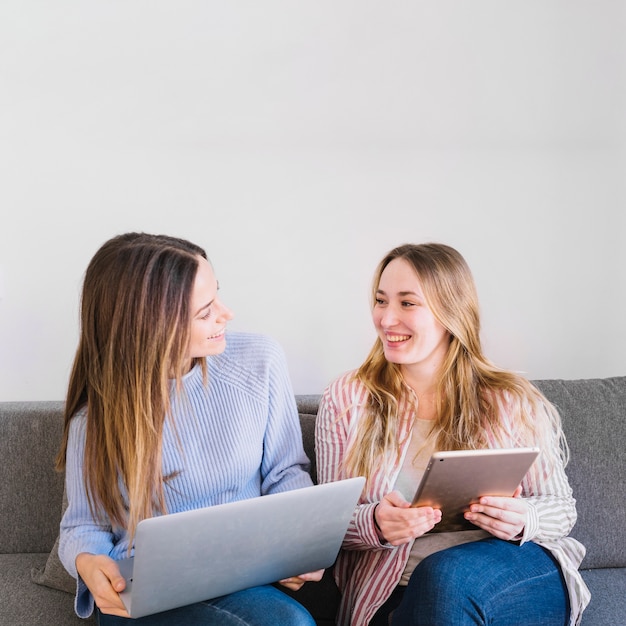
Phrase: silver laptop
x=197 y=555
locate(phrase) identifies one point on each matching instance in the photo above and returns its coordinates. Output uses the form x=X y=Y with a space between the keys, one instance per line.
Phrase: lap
x=257 y=606
x=489 y=581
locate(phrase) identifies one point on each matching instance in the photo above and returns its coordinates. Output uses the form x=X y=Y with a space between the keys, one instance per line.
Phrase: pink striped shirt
x=366 y=571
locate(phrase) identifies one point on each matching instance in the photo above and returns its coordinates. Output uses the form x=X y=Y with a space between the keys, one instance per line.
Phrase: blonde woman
x=426 y=385
x=167 y=412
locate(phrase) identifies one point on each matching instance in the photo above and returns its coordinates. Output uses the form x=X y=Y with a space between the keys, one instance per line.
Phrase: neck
x=424 y=388
x=422 y=383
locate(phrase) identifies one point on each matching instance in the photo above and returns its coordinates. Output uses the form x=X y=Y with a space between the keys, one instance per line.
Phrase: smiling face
x=208 y=315
x=410 y=334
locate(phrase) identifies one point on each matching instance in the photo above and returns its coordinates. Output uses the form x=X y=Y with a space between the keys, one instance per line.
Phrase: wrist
x=379 y=532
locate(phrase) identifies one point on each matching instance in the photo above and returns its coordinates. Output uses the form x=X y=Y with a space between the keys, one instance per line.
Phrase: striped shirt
x=240 y=438
x=366 y=571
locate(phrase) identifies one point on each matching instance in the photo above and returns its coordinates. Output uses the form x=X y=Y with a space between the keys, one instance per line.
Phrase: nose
x=223 y=312
x=388 y=317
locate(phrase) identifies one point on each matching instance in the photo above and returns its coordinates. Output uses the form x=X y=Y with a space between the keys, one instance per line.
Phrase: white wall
x=298 y=142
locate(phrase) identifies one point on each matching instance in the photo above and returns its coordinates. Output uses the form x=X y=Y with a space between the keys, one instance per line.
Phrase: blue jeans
x=485 y=582
x=258 y=606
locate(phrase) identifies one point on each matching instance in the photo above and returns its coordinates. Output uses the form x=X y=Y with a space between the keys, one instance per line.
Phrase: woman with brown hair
x=167 y=412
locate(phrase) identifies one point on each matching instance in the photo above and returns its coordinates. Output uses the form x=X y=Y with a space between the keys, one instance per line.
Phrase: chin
x=211 y=350
x=394 y=358
x=216 y=348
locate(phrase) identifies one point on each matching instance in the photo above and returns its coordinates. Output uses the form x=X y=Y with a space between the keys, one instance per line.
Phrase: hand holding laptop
x=102 y=575
x=186 y=557
x=295 y=582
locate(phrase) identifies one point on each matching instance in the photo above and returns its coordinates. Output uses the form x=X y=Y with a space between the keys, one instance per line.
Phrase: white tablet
x=455 y=479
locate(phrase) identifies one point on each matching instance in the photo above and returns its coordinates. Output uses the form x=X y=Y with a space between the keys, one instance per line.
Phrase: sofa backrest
x=594 y=419
x=593 y=412
x=30 y=489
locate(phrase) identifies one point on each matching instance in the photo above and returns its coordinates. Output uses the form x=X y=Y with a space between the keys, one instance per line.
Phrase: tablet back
x=454 y=479
x=197 y=555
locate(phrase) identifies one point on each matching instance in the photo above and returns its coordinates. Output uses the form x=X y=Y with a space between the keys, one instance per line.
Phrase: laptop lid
x=197 y=555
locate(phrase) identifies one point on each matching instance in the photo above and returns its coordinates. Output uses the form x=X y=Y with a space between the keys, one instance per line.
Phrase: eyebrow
x=401 y=293
x=202 y=308
x=208 y=304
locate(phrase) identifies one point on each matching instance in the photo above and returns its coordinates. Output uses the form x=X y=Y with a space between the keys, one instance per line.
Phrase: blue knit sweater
x=240 y=438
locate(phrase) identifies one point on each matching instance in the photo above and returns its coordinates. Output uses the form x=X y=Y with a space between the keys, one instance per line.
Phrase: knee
x=297 y=615
x=290 y=611
x=437 y=593
x=438 y=574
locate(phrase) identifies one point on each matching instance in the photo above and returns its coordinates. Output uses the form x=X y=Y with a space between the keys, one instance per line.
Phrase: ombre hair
x=134 y=336
x=472 y=393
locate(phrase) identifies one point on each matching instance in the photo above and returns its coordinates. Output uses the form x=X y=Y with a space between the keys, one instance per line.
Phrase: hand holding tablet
x=455 y=479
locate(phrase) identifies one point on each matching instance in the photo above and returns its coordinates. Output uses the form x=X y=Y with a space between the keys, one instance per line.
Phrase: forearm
x=79 y=532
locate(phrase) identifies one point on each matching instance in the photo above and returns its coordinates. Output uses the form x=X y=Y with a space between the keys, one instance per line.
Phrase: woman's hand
x=400 y=523
x=295 y=582
x=504 y=518
x=102 y=576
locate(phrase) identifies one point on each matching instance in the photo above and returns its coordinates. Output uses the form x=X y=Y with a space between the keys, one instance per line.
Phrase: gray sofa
x=594 y=417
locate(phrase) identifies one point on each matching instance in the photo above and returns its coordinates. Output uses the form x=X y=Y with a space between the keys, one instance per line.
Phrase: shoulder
x=345 y=391
x=347 y=381
x=249 y=361
x=77 y=432
x=518 y=398
x=252 y=345
x=78 y=423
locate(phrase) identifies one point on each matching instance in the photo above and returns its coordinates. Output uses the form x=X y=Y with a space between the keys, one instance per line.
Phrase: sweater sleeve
x=285 y=465
x=79 y=532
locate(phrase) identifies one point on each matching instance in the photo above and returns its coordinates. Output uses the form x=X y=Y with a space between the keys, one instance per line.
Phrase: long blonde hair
x=472 y=392
x=134 y=337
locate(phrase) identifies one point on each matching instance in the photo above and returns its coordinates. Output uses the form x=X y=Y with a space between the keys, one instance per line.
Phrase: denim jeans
x=258 y=606
x=485 y=582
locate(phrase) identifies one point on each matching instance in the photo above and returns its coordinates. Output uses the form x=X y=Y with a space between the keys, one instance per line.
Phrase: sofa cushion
x=25 y=604
x=52 y=573
x=608 y=590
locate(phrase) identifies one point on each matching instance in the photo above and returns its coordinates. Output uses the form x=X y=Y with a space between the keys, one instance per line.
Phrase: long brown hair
x=472 y=392
x=134 y=336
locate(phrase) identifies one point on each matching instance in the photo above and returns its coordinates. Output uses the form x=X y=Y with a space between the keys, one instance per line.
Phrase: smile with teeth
x=217 y=335
x=397 y=338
